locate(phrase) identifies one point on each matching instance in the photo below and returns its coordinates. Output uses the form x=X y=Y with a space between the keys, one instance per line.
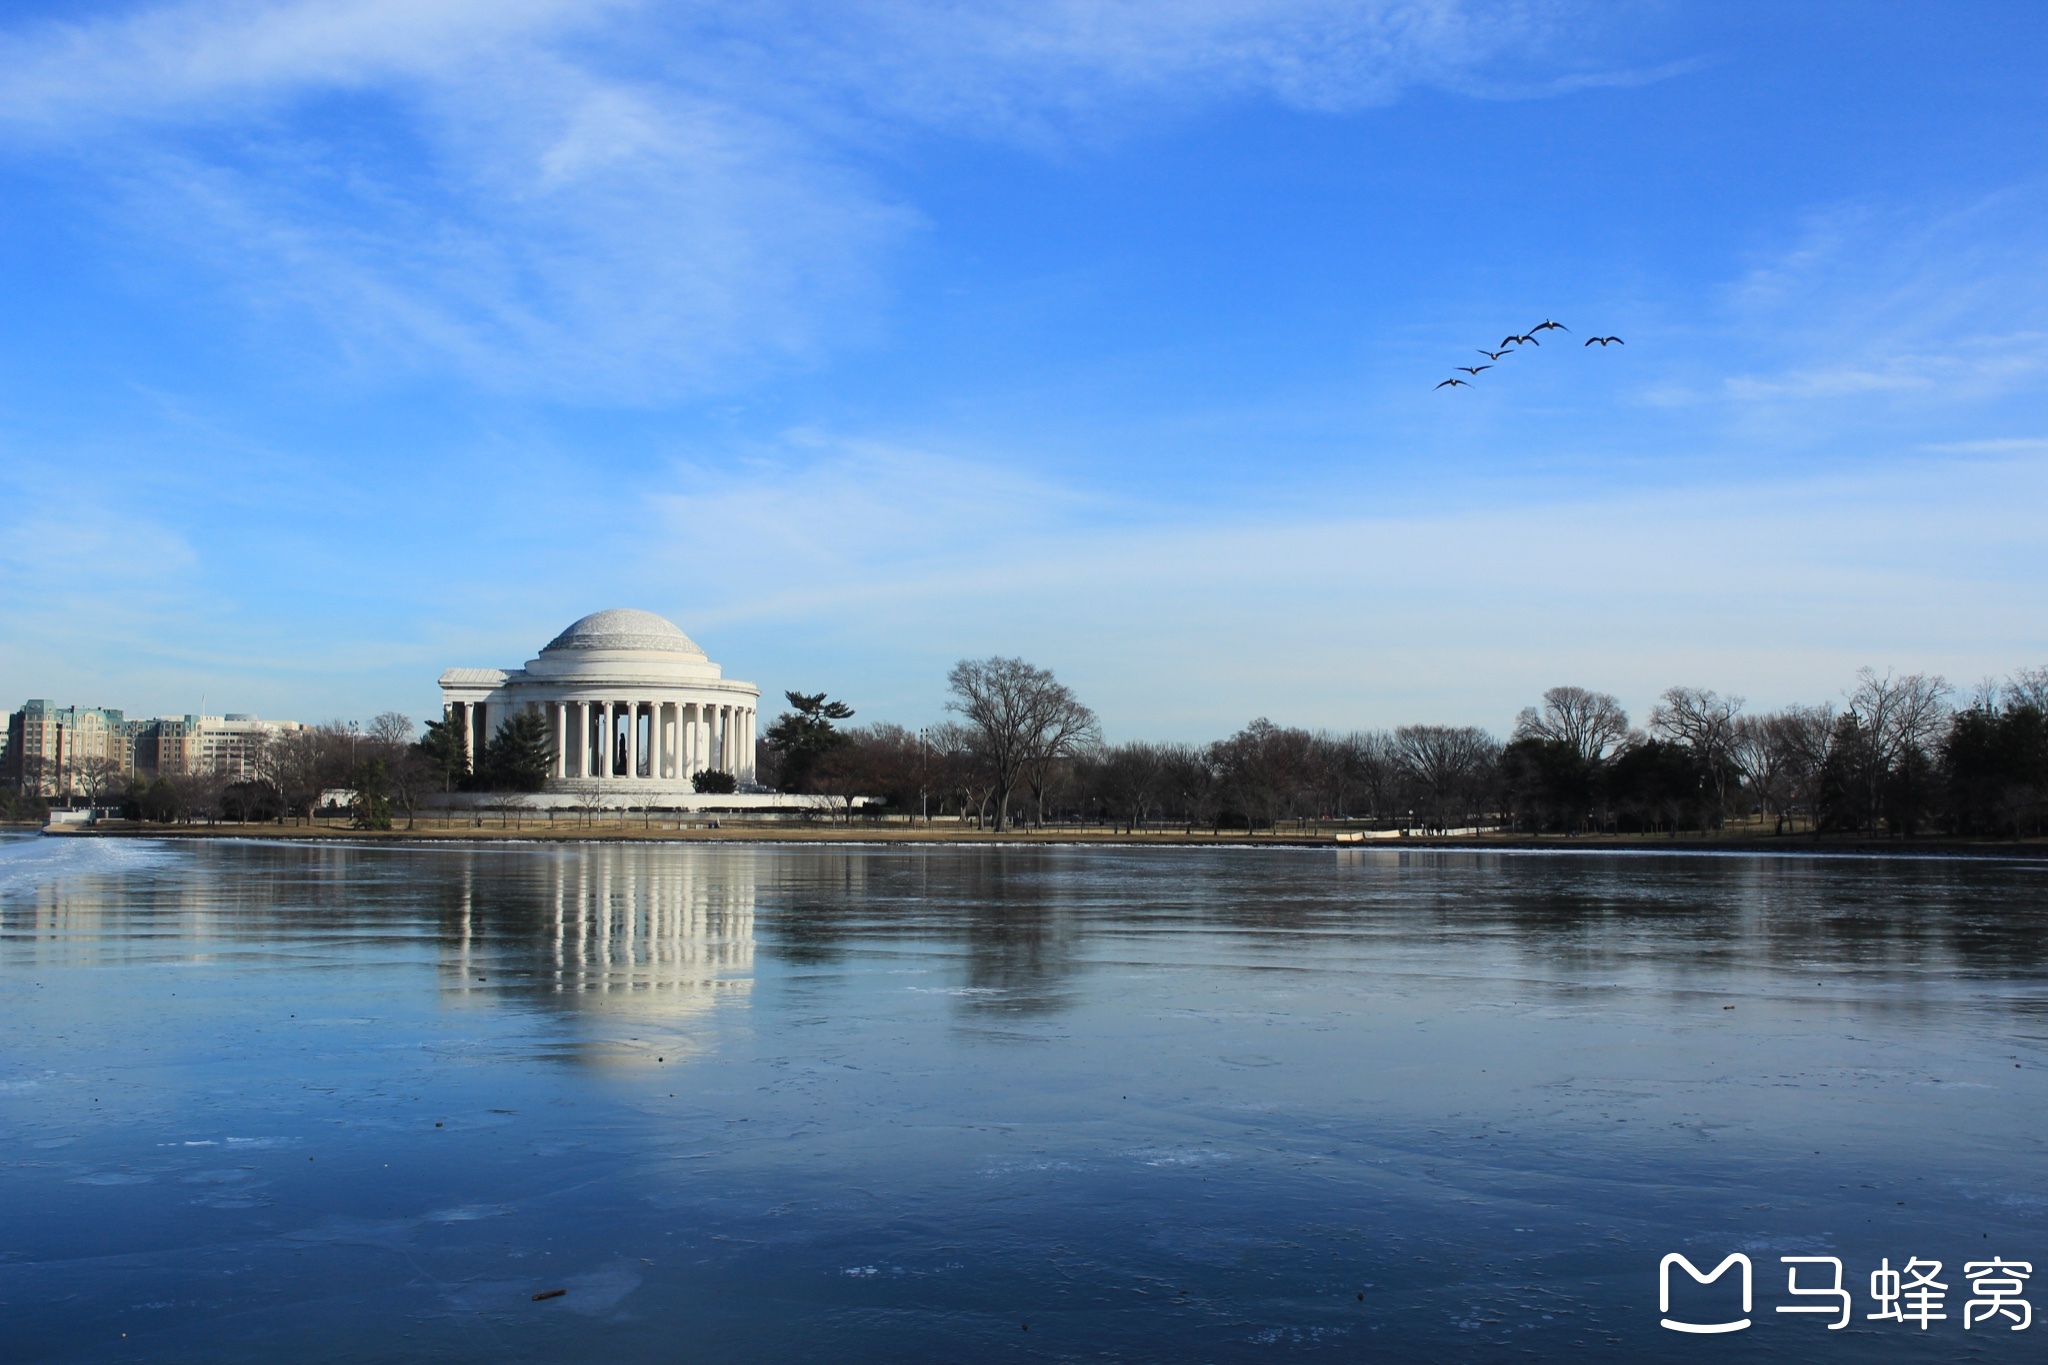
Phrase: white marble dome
x=630 y=702
x=625 y=628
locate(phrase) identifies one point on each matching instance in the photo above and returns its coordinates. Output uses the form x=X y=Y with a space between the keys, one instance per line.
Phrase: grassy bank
x=703 y=831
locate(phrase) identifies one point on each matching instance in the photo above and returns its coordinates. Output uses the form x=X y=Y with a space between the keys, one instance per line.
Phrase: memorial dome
x=625 y=628
x=630 y=705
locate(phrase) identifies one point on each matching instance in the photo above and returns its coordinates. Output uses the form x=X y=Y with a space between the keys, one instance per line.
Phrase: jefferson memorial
x=634 y=708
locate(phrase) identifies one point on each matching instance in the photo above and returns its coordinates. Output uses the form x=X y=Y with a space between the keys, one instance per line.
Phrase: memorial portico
x=633 y=708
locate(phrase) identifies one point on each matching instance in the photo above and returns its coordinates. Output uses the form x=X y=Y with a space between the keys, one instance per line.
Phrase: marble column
x=603 y=712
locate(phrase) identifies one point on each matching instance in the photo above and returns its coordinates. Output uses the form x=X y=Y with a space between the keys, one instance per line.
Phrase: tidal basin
x=272 y=1102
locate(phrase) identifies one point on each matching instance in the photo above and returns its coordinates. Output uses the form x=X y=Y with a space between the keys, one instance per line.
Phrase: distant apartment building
x=57 y=751
x=226 y=745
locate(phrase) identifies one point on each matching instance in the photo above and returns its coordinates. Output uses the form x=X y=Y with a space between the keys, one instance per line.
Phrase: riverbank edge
x=2032 y=850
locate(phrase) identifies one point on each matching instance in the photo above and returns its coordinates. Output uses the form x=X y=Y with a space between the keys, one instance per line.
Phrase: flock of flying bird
x=1511 y=343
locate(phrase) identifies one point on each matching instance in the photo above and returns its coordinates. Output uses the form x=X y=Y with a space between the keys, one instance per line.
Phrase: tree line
x=1894 y=757
x=379 y=770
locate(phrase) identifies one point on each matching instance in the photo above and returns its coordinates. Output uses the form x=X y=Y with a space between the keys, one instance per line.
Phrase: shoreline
x=733 y=832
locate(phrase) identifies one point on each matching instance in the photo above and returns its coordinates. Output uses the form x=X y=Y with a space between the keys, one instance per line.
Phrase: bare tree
x=197 y=794
x=1020 y=716
x=1338 y=763
x=1379 y=771
x=2028 y=687
x=304 y=762
x=1899 y=714
x=842 y=772
x=1593 y=723
x=100 y=777
x=954 y=772
x=1132 y=776
x=36 y=772
x=1187 y=783
x=1900 y=719
x=1069 y=728
x=1766 y=750
x=1254 y=768
x=270 y=762
x=1449 y=766
x=391 y=731
x=1806 y=737
x=1703 y=722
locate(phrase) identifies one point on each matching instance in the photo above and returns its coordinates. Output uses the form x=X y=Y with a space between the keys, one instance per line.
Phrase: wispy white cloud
x=461 y=185
x=1928 y=309
x=1997 y=445
x=214 y=59
x=1034 y=66
x=831 y=515
x=875 y=566
x=629 y=202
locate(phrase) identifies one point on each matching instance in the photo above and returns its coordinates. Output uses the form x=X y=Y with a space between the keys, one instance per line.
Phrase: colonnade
x=627 y=922
x=629 y=741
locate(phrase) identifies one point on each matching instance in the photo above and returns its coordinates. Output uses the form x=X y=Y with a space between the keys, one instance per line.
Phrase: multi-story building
x=66 y=750
x=227 y=745
x=56 y=751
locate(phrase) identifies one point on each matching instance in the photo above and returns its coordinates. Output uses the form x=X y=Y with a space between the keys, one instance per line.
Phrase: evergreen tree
x=804 y=735
x=519 y=757
x=446 y=750
x=371 y=783
x=1996 y=762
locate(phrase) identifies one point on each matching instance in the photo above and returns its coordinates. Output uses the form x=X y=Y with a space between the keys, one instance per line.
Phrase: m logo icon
x=1664 y=1292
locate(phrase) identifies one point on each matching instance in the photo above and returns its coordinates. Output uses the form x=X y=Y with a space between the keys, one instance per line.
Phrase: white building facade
x=633 y=708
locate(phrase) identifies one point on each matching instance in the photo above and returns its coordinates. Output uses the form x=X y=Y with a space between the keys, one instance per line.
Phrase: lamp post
x=924 y=770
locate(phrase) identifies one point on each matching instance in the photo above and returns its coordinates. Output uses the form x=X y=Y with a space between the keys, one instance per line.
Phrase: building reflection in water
x=618 y=930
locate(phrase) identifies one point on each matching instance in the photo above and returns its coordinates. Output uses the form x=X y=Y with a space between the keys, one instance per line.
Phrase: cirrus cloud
x=619 y=202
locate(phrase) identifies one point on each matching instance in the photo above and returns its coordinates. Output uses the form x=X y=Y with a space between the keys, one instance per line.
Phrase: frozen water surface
x=283 y=1103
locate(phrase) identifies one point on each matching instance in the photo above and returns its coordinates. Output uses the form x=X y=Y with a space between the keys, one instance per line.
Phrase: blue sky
x=347 y=341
